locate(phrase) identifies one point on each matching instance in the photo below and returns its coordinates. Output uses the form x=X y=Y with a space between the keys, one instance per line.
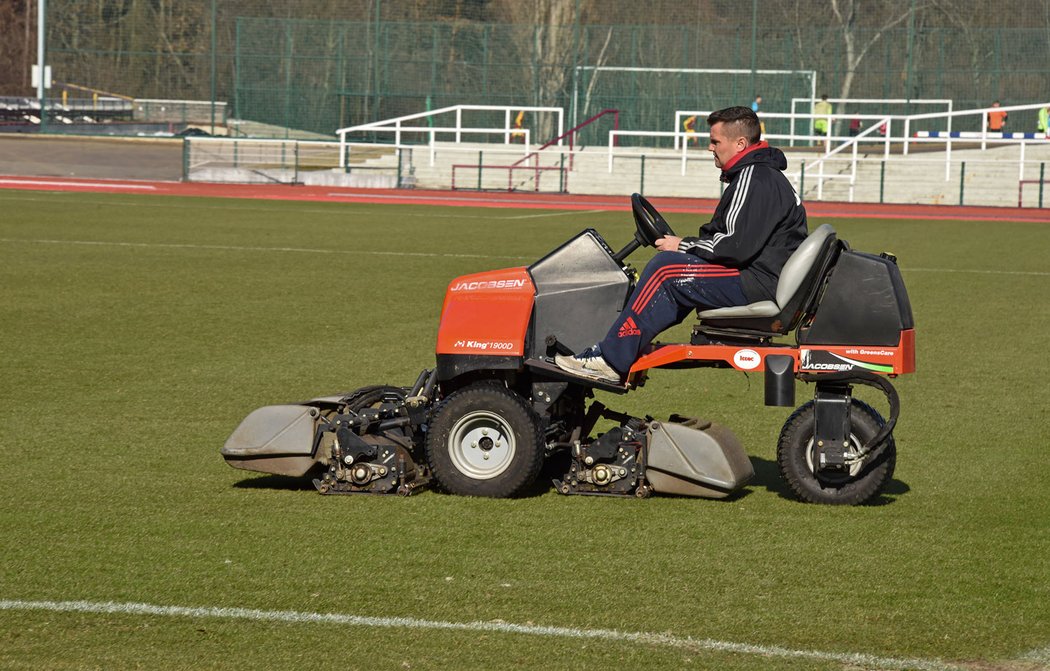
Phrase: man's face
x=723 y=145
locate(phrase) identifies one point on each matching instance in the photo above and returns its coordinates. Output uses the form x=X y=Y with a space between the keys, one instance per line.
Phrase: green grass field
x=136 y=333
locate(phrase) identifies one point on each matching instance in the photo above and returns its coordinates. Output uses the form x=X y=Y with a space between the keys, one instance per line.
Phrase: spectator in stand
x=519 y=126
x=1043 y=126
x=996 y=120
x=755 y=104
x=689 y=126
x=822 y=126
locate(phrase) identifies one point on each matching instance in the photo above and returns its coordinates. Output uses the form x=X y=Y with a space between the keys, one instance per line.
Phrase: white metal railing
x=863 y=101
x=397 y=125
x=235 y=159
x=964 y=175
x=614 y=134
x=882 y=124
x=853 y=143
x=345 y=147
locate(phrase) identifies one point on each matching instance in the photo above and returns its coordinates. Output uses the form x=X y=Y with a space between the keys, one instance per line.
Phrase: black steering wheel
x=650 y=224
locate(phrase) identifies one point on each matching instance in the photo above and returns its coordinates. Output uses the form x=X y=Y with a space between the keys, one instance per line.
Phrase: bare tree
x=847 y=14
x=17 y=51
x=545 y=41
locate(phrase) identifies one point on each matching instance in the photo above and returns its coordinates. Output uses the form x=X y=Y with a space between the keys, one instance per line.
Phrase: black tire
x=484 y=440
x=860 y=485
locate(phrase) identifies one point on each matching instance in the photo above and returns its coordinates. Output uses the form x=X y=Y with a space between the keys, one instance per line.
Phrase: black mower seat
x=798 y=283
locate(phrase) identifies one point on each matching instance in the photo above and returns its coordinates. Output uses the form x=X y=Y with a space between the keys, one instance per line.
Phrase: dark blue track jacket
x=758 y=223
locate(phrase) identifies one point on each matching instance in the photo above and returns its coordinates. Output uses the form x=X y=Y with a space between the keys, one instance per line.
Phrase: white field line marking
x=1042 y=655
x=552 y=214
x=1037 y=273
x=495 y=626
x=70 y=196
x=238 y=248
x=612 y=201
x=34 y=182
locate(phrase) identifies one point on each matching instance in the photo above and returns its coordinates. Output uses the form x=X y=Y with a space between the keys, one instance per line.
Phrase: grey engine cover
x=580 y=291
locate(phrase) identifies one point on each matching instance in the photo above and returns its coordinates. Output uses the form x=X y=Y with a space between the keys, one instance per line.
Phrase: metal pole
x=641 y=187
x=41 y=31
x=802 y=181
x=399 y=167
x=295 y=175
x=882 y=182
x=911 y=50
x=754 y=39
x=213 y=66
x=289 y=60
x=1042 y=169
x=480 y=157
x=375 y=60
x=1020 y=170
x=962 y=181
x=186 y=160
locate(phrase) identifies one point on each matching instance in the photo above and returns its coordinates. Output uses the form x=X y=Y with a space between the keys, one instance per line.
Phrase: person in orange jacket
x=997 y=120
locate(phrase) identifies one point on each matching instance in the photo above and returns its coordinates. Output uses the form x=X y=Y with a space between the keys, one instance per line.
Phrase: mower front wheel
x=484 y=440
x=860 y=482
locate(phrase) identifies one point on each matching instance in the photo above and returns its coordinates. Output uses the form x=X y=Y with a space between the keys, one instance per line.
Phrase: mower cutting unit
x=484 y=420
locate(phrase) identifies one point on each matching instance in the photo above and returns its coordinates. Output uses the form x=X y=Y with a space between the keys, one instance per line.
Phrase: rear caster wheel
x=861 y=481
x=484 y=440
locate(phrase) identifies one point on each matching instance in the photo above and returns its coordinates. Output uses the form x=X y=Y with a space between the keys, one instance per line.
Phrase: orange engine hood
x=487 y=313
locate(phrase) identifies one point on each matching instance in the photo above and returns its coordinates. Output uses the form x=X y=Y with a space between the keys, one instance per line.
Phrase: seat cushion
x=759 y=309
x=795 y=270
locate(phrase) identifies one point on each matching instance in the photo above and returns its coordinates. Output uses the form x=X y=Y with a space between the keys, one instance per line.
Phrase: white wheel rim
x=855 y=445
x=481 y=445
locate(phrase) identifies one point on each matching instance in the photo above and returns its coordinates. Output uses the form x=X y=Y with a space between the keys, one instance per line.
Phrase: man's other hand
x=668 y=243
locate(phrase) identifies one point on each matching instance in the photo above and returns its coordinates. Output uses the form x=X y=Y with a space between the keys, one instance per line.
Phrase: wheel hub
x=853 y=465
x=481 y=444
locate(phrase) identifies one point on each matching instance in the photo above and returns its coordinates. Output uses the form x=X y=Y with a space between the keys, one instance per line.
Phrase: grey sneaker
x=588 y=364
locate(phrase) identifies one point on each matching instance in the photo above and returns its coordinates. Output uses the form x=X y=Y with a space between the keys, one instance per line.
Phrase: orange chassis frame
x=890 y=361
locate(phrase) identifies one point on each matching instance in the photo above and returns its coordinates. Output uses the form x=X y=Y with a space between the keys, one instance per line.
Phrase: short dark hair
x=743 y=119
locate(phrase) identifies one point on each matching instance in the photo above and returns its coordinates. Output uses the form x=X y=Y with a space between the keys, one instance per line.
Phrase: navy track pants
x=671 y=286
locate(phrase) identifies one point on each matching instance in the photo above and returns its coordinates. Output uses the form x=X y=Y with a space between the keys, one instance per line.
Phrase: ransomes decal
x=827 y=361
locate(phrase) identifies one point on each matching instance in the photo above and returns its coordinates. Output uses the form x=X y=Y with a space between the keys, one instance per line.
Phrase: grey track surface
x=99 y=158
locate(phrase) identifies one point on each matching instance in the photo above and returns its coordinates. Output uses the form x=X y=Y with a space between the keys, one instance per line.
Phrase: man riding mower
x=495 y=407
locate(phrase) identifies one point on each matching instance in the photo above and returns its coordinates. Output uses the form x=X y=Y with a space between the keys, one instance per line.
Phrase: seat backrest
x=800 y=263
x=797 y=290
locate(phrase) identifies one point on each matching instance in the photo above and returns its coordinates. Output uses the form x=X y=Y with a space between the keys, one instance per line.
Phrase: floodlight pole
x=754 y=37
x=213 y=68
x=41 y=11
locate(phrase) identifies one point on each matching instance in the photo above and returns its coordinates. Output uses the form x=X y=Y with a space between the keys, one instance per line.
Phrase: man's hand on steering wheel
x=668 y=243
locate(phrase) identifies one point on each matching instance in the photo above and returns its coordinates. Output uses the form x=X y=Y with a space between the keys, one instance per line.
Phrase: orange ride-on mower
x=484 y=420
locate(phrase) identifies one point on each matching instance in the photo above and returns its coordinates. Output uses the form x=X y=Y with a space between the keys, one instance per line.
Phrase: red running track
x=540 y=201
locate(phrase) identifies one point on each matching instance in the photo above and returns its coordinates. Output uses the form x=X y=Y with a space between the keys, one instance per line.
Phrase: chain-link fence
x=294 y=69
